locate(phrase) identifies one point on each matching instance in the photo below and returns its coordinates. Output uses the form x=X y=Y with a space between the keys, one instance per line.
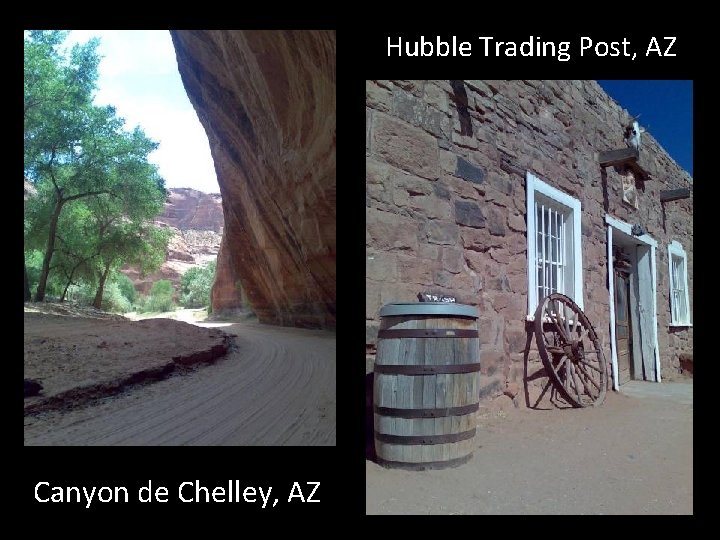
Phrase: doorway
x=623 y=325
x=633 y=304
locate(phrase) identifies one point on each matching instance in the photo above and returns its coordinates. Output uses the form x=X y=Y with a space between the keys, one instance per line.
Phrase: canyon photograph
x=179 y=238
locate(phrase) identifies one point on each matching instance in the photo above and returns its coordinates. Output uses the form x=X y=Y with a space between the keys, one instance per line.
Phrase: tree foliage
x=196 y=284
x=126 y=286
x=96 y=191
x=160 y=298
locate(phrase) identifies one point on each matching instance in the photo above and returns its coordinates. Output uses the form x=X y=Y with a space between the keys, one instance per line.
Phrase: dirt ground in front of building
x=632 y=455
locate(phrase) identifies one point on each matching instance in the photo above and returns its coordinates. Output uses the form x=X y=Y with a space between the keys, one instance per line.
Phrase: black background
x=361 y=54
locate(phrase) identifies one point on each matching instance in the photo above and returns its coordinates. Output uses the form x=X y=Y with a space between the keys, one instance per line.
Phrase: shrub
x=160 y=297
x=196 y=284
x=126 y=286
x=114 y=300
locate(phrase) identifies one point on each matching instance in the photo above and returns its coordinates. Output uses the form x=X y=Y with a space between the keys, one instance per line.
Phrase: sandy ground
x=632 y=455
x=77 y=357
x=276 y=386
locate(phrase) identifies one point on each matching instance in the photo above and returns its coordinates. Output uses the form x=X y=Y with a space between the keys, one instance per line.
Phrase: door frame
x=629 y=298
x=647 y=288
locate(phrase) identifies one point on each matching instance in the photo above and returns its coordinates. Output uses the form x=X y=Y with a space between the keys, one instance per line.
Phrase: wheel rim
x=570 y=351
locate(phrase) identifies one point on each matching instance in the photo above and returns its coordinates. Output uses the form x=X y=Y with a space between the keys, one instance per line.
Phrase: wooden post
x=674 y=194
x=618 y=157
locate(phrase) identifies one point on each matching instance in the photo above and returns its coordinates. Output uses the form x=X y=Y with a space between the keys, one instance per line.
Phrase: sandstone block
x=440 y=232
x=516 y=222
x=405 y=146
x=452 y=260
x=469 y=214
x=428 y=251
x=469 y=171
x=381 y=266
x=441 y=191
x=435 y=96
x=377 y=97
x=442 y=278
x=412 y=272
x=496 y=222
x=386 y=231
x=414 y=111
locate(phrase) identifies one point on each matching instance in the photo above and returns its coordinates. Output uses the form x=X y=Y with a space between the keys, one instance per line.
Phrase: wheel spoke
x=587 y=375
x=575 y=384
x=557 y=324
x=566 y=322
x=575 y=324
x=568 y=376
x=581 y=378
x=563 y=361
x=591 y=366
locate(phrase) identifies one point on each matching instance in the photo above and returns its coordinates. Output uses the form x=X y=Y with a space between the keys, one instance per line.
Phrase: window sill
x=680 y=325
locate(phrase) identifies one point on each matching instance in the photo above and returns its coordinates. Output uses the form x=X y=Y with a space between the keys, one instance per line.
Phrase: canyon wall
x=196 y=219
x=267 y=102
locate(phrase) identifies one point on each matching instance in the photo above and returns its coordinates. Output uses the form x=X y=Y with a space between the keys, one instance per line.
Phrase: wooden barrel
x=426 y=388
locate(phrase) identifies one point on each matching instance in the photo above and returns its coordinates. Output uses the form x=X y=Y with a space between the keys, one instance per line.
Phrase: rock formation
x=267 y=102
x=189 y=209
x=196 y=219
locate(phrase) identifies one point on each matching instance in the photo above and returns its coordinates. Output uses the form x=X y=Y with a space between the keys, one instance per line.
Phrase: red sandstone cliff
x=197 y=221
x=267 y=102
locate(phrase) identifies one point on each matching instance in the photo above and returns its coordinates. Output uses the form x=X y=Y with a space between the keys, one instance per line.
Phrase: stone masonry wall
x=446 y=203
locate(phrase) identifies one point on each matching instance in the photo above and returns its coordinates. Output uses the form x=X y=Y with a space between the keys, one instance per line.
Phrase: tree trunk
x=70 y=278
x=42 y=282
x=28 y=296
x=62 y=298
x=97 y=303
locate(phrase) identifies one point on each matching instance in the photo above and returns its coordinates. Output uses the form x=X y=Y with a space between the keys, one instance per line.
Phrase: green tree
x=161 y=297
x=126 y=286
x=195 y=285
x=132 y=243
x=75 y=151
x=122 y=229
x=76 y=249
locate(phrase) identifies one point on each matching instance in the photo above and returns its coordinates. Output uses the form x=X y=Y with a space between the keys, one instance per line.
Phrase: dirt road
x=633 y=455
x=276 y=388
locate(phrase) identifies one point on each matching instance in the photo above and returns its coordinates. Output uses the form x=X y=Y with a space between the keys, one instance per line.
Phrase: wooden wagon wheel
x=570 y=351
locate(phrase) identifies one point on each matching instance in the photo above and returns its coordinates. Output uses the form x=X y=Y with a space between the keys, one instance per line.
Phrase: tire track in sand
x=276 y=388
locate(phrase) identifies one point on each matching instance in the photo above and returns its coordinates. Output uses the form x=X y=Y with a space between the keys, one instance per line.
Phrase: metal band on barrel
x=426 y=413
x=423 y=465
x=425 y=439
x=389 y=369
x=427 y=333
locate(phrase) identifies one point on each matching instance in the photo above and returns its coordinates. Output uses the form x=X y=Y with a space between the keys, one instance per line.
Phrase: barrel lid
x=429 y=308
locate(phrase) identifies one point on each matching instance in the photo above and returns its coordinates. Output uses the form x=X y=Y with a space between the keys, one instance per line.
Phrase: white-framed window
x=679 y=296
x=554 y=251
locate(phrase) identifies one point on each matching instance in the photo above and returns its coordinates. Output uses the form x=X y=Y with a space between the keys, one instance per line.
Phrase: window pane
x=553 y=241
x=678 y=300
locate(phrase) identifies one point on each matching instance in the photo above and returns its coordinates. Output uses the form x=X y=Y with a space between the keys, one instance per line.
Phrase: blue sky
x=139 y=77
x=666 y=109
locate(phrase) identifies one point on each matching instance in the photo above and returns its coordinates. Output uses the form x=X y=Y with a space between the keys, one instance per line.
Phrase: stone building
x=454 y=169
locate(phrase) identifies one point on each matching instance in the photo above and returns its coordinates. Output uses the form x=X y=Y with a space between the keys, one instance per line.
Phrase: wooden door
x=623 y=330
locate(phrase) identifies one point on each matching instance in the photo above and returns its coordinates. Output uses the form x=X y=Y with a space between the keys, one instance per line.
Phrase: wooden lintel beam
x=674 y=194
x=618 y=157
